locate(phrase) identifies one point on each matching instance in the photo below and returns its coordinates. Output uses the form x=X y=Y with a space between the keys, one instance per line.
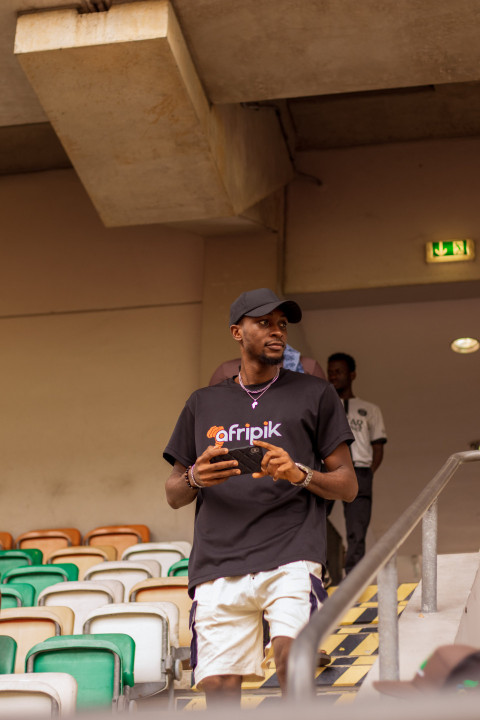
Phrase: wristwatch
x=308 y=475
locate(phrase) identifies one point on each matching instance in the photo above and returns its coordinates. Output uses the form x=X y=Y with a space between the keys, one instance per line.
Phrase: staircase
x=353 y=648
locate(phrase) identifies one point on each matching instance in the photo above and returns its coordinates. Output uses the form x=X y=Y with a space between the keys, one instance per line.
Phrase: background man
x=366 y=423
x=259 y=539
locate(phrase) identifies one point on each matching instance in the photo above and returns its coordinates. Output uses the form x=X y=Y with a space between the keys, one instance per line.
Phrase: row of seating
x=69 y=611
x=47 y=540
x=91 y=672
x=141 y=596
x=163 y=555
x=150 y=626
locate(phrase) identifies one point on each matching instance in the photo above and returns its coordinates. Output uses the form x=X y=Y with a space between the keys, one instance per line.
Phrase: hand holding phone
x=249 y=458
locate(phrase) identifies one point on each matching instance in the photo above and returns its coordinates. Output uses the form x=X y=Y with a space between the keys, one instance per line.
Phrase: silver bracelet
x=192 y=470
x=187 y=479
x=308 y=475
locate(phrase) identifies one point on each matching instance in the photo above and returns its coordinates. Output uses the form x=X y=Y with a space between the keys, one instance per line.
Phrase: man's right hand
x=208 y=474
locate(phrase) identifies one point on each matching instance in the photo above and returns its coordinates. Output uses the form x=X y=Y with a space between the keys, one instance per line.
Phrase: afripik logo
x=247 y=432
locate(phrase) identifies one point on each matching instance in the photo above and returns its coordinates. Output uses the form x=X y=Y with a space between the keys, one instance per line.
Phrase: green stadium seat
x=17 y=595
x=10 y=559
x=102 y=664
x=8 y=651
x=179 y=569
x=41 y=576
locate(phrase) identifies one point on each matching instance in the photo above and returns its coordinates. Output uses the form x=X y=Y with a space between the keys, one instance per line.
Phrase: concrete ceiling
x=336 y=74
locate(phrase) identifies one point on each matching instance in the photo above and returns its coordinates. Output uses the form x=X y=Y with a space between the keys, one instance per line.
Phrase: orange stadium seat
x=6 y=541
x=120 y=536
x=49 y=539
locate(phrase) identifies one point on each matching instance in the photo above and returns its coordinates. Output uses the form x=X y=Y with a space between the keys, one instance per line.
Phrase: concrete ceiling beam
x=123 y=96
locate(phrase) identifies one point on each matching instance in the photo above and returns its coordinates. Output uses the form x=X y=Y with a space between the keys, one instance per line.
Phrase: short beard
x=270 y=361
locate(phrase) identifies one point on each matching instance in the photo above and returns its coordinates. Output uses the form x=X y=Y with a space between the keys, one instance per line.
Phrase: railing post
x=388 y=621
x=429 y=559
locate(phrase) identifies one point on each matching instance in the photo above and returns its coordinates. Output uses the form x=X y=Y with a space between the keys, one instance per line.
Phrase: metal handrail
x=381 y=560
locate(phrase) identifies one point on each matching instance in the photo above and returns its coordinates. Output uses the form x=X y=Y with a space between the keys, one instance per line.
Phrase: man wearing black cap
x=259 y=539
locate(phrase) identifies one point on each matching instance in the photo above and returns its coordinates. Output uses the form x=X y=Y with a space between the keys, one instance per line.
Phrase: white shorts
x=226 y=617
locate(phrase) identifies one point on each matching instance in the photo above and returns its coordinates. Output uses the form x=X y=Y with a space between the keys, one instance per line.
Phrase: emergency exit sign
x=450 y=251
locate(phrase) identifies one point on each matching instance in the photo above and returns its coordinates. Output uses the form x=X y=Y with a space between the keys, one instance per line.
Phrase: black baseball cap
x=262 y=301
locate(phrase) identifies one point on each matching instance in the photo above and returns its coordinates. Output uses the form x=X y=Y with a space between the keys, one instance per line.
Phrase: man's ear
x=236 y=331
x=353 y=375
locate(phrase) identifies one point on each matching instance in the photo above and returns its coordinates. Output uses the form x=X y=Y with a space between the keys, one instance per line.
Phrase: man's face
x=264 y=338
x=339 y=375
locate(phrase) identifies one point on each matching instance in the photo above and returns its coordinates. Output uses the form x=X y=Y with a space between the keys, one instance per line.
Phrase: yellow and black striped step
x=366 y=614
x=251 y=701
x=370 y=594
x=352 y=644
x=342 y=672
x=404 y=593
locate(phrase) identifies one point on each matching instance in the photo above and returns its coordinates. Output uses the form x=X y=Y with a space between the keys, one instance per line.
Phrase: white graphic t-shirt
x=366 y=423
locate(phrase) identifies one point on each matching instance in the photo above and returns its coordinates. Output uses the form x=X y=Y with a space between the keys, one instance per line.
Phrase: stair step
x=366 y=614
x=353 y=644
x=267 y=698
x=404 y=593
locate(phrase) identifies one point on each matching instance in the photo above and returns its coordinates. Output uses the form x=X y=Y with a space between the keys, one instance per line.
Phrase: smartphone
x=249 y=458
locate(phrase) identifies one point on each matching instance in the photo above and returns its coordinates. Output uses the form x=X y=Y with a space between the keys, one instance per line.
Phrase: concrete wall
x=100 y=330
x=367 y=225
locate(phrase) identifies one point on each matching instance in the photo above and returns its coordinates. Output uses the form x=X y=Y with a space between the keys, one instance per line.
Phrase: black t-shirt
x=247 y=525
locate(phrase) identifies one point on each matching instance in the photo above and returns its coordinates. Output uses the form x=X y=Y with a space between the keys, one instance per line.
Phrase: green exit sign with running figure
x=450 y=251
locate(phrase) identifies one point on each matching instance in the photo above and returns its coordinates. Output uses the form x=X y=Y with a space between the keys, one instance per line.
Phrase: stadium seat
x=120 y=536
x=17 y=595
x=82 y=597
x=128 y=572
x=169 y=589
x=8 y=651
x=49 y=540
x=30 y=625
x=83 y=556
x=179 y=569
x=10 y=559
x=6 y=541
x=102 y=665
x=166 y=553
x=24 y=695
x=41 y=576
x=149 y=625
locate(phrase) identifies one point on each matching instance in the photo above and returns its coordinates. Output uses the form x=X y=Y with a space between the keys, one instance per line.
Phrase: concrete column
x=125 y=99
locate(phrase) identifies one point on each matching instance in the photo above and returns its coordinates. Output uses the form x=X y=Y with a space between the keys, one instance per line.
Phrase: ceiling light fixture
x=465 y=345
